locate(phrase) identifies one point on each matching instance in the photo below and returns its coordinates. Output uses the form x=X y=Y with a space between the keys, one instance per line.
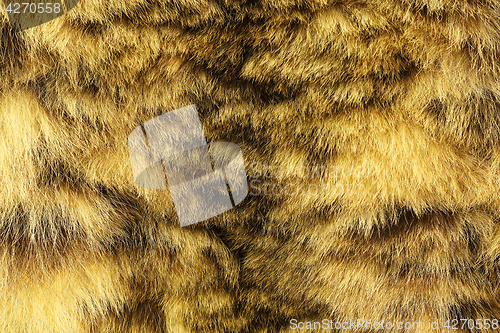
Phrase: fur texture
x=390 y=108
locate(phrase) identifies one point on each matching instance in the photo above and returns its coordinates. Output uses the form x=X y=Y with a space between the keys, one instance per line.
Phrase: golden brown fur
x=399 y=99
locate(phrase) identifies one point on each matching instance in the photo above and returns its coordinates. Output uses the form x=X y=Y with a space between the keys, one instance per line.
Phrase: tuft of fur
x=380 y=118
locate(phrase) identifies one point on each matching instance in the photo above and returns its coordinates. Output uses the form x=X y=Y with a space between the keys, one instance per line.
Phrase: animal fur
x=389 y=107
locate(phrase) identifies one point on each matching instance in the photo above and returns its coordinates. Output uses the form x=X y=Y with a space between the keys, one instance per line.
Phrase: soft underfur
x=390 y=108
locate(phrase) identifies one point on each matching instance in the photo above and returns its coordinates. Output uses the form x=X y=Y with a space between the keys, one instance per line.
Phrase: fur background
x=399 y=99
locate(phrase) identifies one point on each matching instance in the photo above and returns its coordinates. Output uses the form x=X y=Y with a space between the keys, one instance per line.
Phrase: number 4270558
x=34 y=8
x=472 y=324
